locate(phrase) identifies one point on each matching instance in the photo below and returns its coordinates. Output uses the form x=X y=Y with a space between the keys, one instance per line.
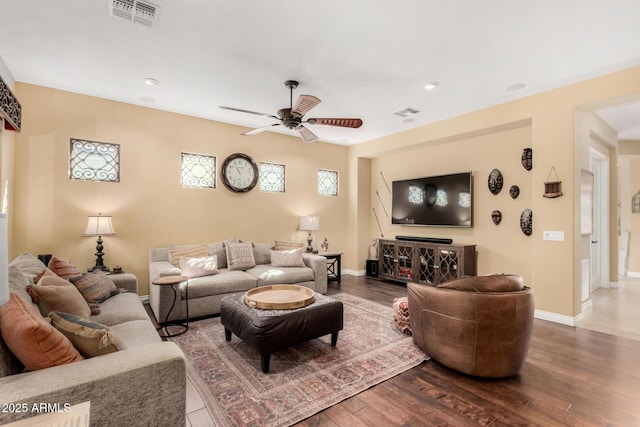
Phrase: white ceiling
x=362 y=58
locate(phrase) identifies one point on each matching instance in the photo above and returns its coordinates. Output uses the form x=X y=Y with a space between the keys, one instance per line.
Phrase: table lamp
x=99 y=226
x=309 y=223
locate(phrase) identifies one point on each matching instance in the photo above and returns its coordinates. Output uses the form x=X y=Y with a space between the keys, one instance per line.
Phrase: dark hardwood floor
x=572 y=376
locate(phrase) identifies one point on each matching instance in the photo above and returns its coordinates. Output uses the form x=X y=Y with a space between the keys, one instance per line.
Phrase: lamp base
x=99 y=254
x=309 y=241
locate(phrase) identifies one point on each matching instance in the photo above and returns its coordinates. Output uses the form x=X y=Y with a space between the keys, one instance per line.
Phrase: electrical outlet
x=557 y=236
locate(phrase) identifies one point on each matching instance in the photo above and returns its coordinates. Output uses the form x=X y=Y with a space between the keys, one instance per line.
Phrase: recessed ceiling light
x=515 y=87
x=151 y=81
x=431 y=86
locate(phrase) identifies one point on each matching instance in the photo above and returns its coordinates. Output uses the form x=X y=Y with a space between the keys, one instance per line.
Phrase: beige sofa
x=143 y=384
x=205 y=293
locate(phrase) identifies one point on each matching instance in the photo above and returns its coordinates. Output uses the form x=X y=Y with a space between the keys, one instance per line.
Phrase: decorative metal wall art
x=496 y=217
x=198 y=171
x=527 y=158
x=10 y=109
x=514 y=191
x=94 y=161
x=552 y=189
x=495 y=181
x=526 y=222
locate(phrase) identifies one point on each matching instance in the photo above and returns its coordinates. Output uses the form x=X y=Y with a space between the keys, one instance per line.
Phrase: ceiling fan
x=292 y=117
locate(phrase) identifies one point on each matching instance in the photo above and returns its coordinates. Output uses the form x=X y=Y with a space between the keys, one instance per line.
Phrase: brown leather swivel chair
x=480 y=326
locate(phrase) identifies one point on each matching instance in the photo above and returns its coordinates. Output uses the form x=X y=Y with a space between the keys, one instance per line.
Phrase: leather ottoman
x=267 y=331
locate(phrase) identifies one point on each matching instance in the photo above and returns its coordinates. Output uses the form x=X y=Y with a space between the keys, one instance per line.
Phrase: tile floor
x=615 y=311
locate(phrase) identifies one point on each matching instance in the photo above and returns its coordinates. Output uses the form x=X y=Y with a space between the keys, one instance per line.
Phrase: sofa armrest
x=126 y=281
x=318 y=264
x=140 y=386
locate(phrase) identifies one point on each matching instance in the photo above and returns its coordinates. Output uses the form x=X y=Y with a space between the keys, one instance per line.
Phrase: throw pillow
x=28 y=265
x=54 y=293
x=63 y=268
x=198 y=267
x=281 y=245
x=401 y=314
x=290 y=258
x=90 y=338
x=240 y=256
x=95 y=287
x=36 y=343
x=194 y=251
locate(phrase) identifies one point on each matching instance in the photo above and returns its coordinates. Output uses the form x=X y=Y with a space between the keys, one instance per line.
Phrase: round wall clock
x=239 y=173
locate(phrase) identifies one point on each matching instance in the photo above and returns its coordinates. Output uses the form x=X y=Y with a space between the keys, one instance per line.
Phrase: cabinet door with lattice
x=427 y=265
x=448 y=264
x=405 y=262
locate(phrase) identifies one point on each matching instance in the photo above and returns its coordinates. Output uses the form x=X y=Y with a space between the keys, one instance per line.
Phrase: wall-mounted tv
x=441 y=201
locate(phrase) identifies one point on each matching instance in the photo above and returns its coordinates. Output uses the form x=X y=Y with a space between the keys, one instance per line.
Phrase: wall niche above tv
x=438 y=201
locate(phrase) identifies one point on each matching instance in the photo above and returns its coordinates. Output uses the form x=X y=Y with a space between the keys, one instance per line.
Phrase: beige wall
x=148 y=205
x=552 y=129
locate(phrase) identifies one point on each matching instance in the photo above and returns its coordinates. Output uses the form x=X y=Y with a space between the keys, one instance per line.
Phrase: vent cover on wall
x=142 y=12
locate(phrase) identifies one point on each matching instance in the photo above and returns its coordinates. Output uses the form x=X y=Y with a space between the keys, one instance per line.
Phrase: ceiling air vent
x=407 y=112
x=138 y=11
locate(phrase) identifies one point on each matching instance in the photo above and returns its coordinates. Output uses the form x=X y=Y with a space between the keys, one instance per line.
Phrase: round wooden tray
x=279 y=297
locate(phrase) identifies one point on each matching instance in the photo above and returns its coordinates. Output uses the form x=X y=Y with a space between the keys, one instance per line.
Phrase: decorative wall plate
x=527 y=158
x=496 y=217
x=514 y=191
x=495 y=181
x=526 y=222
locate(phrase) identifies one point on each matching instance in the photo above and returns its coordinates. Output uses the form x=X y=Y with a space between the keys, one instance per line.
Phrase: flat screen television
x=441 y=201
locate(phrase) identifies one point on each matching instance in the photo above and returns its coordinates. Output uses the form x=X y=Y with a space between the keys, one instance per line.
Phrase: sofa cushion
x=89 y=338
x=198 y=267
x=95 y=287
x=136 y=333
x=218 y=249
x=196 y=251
x=281 y=245
x=63 y=268
x=288 y=258
x=491 y=283
x=240 y=256
x=28 y=265
x=18 y=282
x=119 y=309
x=227 y=281
x=35 y=342
x=53 y=293
x=270 y=275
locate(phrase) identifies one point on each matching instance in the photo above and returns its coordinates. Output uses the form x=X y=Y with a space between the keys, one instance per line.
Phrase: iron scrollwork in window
x=94 y=161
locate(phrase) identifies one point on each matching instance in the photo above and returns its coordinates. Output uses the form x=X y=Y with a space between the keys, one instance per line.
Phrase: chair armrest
x=318 y=264
x=143 y=385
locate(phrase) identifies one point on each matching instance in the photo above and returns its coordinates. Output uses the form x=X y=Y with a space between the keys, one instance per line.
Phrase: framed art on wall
x=586 y=202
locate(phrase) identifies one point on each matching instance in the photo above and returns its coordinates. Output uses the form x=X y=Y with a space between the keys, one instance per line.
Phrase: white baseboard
x=144 y=299
x=556 y=318
x=352 y=272
x=587 y=305
x=633 y=274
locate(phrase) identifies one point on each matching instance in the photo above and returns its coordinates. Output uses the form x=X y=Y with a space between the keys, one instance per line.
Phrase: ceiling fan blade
x=304 y=103
x=306 y=134
x=250 y=112
x=262 y=129
x=345 y=123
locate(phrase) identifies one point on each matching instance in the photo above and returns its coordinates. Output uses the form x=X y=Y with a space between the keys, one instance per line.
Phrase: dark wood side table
x=334 y=265
x=173 y=281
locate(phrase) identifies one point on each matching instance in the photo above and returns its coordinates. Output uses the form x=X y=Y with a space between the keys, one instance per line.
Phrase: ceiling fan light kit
x=291 y=117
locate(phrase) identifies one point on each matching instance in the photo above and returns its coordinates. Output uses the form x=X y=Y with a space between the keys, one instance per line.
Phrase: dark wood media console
x=422 y=262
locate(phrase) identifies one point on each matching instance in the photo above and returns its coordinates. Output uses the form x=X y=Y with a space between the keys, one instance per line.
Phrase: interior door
x=599 y=258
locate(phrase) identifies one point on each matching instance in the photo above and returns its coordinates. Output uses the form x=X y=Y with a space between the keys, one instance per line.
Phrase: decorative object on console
x=309 y=223
x=495 y=181
x=496 y=217
x=239 y=173
x=325 y=245
x=526 y=222
x=527 y=159
x=514 y=191
x=552 y=189
x=99 y=226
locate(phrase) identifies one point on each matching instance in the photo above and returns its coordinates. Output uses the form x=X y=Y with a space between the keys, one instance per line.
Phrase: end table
x=173 y=281
x=334 y=265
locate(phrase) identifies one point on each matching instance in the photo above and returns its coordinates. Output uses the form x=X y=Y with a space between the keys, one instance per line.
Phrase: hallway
x=615 y=311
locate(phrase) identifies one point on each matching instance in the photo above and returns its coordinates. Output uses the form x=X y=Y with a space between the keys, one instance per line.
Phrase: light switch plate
x=557 y=236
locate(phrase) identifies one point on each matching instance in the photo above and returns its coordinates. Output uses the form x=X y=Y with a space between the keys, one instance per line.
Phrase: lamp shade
x=4 y=260
x=309 y=223
x=99 y=226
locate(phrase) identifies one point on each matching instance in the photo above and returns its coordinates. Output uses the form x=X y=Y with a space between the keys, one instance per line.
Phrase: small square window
x=198 y=171
x=272 y=177
x=94 y=161
x=327 y=182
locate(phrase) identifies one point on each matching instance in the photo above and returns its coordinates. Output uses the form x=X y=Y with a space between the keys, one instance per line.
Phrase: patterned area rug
x=302 y=379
